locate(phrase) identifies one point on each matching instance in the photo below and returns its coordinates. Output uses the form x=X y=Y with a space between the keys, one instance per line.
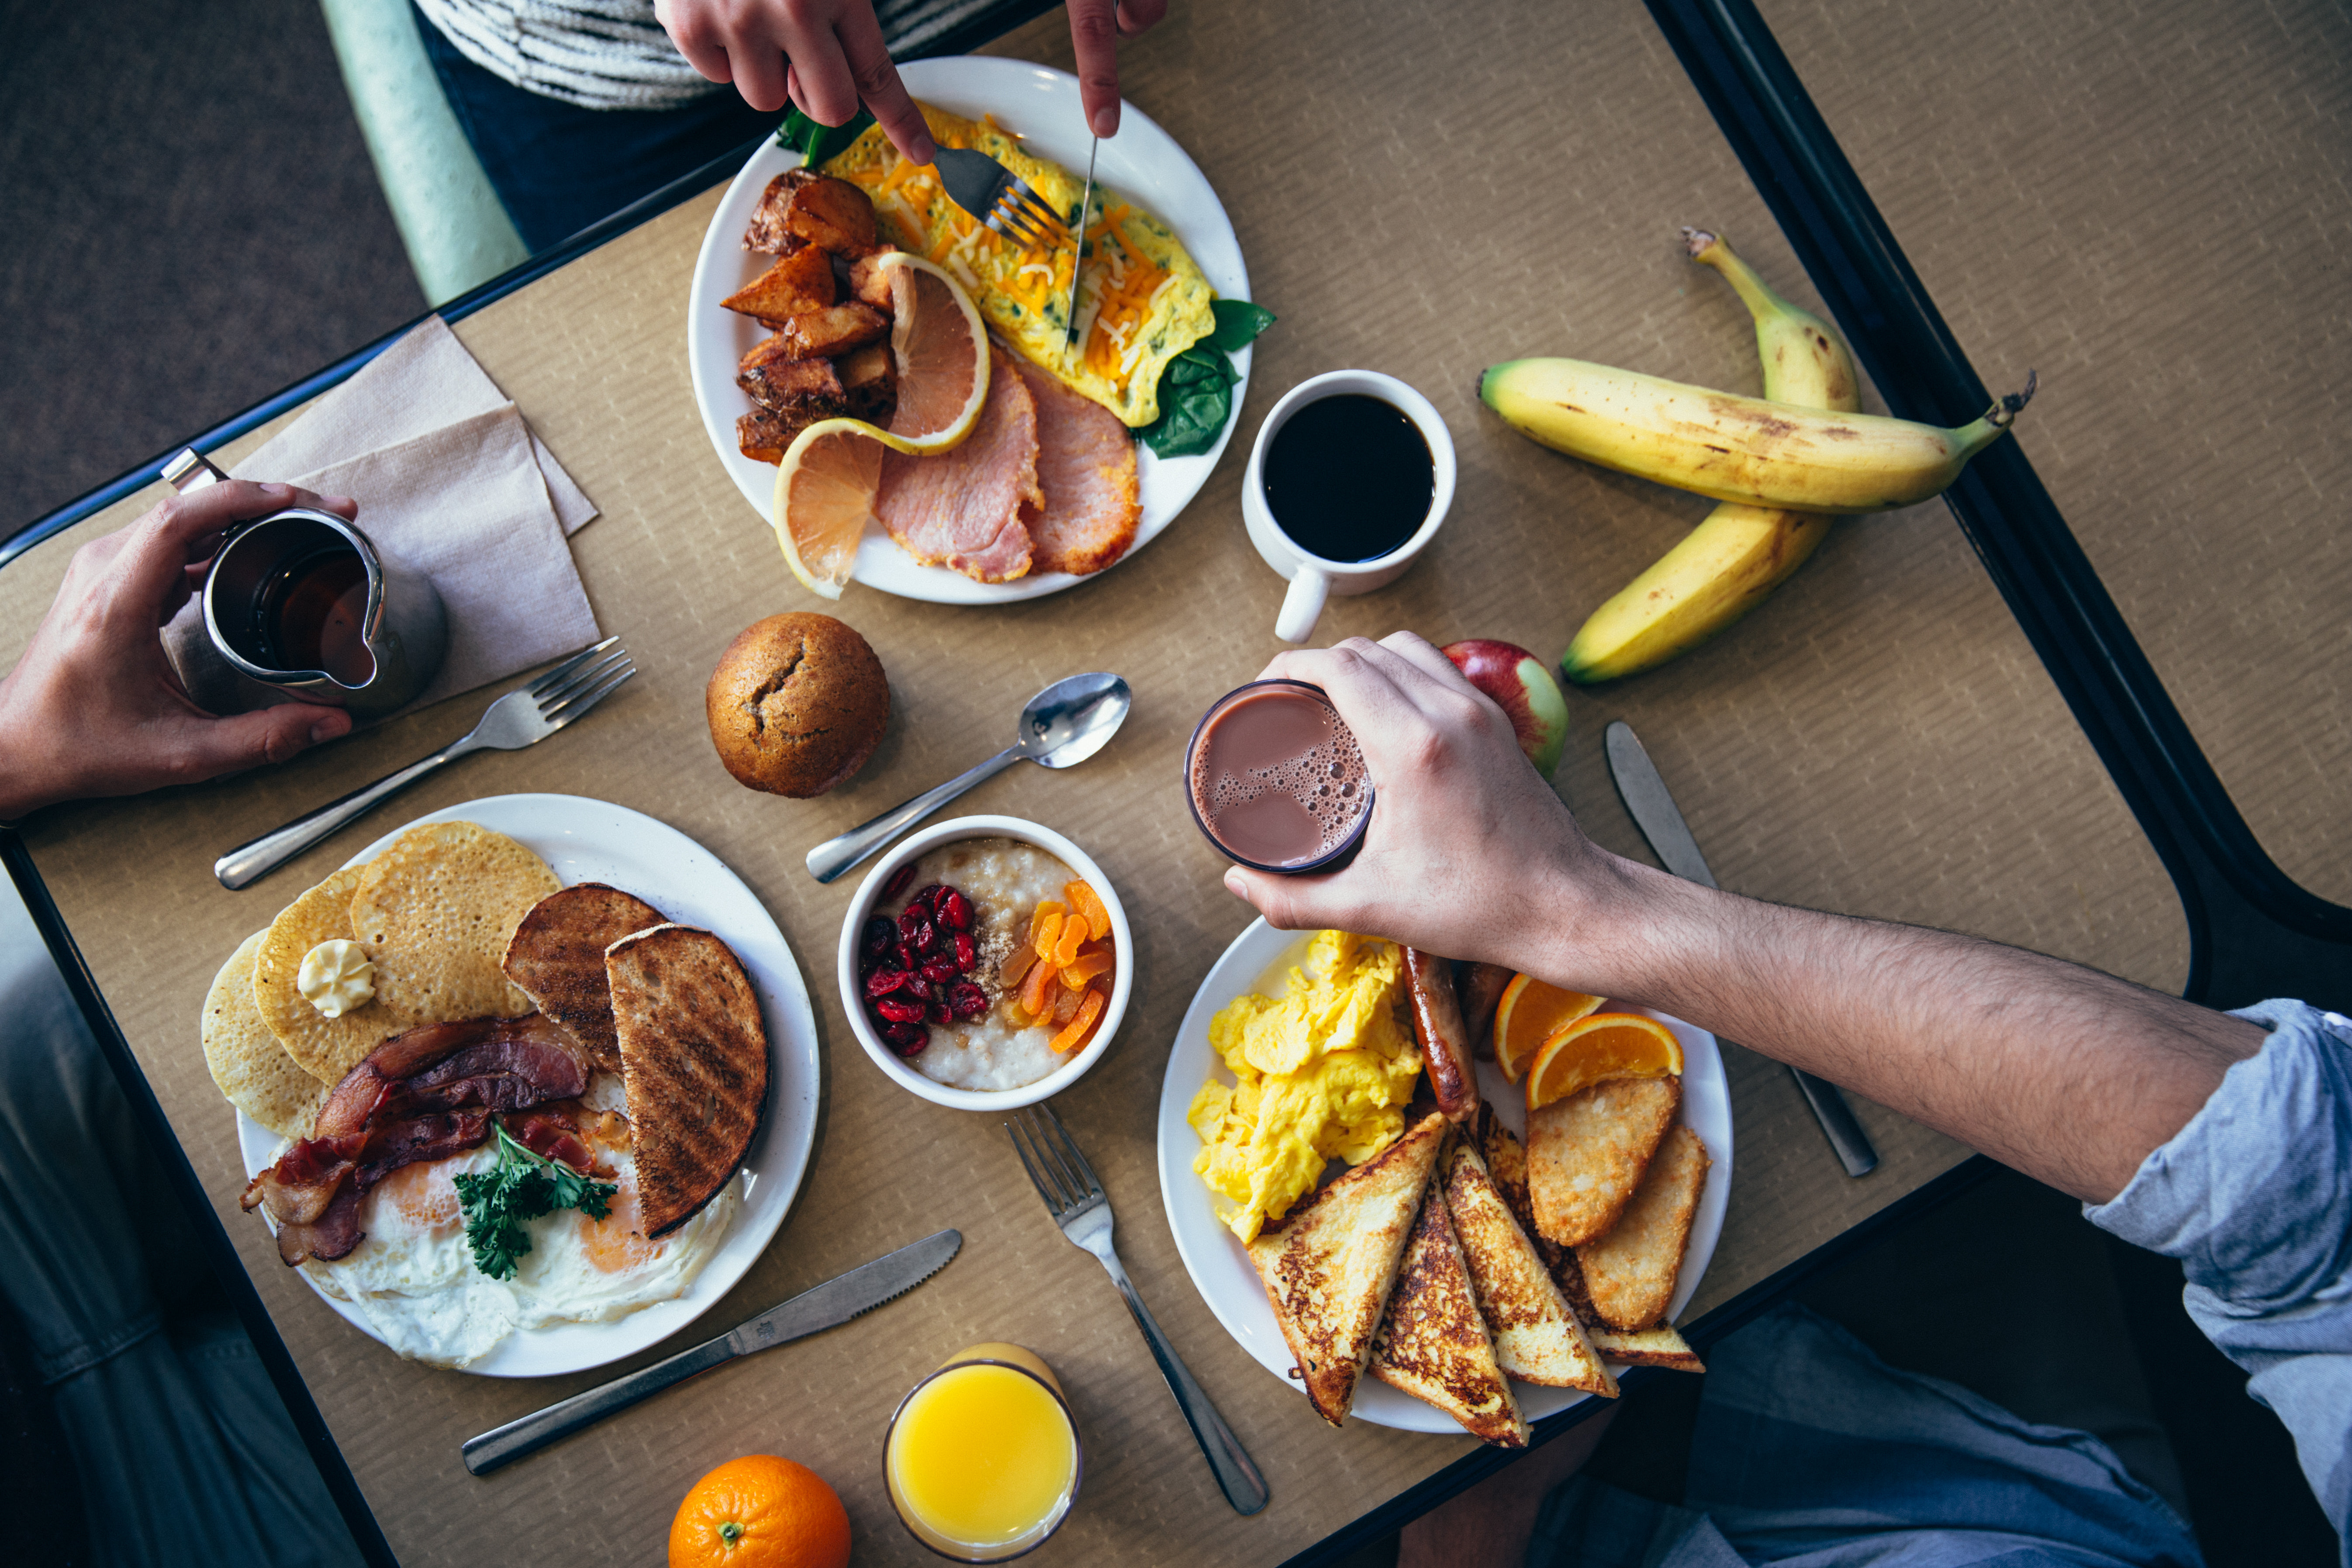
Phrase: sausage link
x=1480 y=986
x=1437 y=1028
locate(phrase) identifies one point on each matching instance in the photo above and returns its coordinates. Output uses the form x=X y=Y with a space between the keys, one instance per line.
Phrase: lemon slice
x=941 y=349
x=825 y=493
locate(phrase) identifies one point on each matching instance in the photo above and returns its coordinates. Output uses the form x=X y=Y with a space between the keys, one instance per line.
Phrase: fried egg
x=413 y=1279
x=1142 y=300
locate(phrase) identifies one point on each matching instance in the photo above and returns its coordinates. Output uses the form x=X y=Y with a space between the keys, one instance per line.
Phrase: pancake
x=694 y=1060
x=244 y=1058
x=1085 y=473
x=1142 y=298
x=557 y=958
x=435 y=912
x=324 y=1047
x=962 y=508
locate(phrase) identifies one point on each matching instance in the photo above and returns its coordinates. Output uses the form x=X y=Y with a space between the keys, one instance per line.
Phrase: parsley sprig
x=520 y=1188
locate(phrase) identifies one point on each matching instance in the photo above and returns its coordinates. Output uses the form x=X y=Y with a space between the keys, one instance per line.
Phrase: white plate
x=1259 y=960
x=1142 y=162
x=594 y=841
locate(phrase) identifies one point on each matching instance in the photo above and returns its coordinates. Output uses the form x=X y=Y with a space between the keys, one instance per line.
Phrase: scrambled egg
x=1142 y=300
x=1325 y=1073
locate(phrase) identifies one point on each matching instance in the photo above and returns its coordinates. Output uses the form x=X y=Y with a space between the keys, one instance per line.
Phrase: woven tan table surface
x=2147 y=206
x=1420 y=189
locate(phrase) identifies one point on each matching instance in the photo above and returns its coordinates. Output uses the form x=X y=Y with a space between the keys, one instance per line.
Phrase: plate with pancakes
x=1377 y=1277
x=560 y=1002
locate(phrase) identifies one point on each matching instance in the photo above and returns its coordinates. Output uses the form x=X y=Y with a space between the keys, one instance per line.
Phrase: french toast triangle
x=1328 y=1269
x=1537 y=1338
x=1434 y=1343
x=694 y=1062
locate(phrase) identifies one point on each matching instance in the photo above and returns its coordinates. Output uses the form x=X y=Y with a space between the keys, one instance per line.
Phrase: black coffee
x=1349 y=477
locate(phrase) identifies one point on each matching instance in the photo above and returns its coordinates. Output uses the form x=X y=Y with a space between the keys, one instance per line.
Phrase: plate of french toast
x=1434 y=1198
x=523 y=1087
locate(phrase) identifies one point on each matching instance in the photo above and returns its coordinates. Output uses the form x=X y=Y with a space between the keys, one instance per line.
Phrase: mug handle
x=1302 y=607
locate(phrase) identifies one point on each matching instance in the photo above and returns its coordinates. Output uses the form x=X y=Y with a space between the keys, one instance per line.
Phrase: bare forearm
x=2064 y=1073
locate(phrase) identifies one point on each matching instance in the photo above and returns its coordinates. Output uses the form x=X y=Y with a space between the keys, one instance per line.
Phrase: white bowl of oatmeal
x=946 y=1019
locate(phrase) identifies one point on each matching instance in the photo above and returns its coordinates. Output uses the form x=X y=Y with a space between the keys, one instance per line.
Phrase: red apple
x=1522 y=686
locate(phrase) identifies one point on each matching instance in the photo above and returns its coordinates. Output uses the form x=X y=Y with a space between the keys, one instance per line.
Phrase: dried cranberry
x=906 y=956
x=937 y=1013
x=907 y=1039
x=967 y=1001
x=927 y=901
x=876 y=942
x=940 y=971
x=924 y=937
x=967 y=953
x=954 y=911
x=883 y=982
x=913 y=918
x=897 y=882
x=898 y=1010
x=917 y=987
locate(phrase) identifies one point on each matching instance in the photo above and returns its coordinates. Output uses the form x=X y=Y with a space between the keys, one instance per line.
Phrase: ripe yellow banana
x=1725 y=566
x=1736 y=448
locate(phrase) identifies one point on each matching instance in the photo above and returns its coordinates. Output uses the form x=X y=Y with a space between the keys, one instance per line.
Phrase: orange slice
x=1530 y=1013
x=825 y=493
x=1598 y=1048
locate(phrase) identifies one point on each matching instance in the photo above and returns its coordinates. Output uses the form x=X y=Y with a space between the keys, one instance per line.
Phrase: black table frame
x=2253 y=932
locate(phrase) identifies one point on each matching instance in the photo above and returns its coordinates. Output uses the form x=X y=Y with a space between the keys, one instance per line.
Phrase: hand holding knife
x=1654 y=811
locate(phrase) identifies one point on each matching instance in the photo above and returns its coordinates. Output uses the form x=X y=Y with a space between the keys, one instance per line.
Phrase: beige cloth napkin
x=425 y=380
x=453 y=483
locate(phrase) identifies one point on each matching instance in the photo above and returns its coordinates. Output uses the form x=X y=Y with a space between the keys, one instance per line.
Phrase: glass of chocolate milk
x=1276 y=779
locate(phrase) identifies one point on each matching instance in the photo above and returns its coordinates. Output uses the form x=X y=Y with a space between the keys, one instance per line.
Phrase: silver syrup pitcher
x=299 y=607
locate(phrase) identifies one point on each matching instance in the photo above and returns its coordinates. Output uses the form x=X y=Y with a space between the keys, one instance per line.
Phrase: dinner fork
x=1001 y=199
x=522 y=717
x=1074 y=1196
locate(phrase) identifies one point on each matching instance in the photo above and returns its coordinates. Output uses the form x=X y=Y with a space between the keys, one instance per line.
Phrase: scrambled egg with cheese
x=1324 y=1072
x=1142 y=298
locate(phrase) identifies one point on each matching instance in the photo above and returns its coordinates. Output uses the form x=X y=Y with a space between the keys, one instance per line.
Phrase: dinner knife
x=1654 y=811
x=1078 y=257
x=829 y=1305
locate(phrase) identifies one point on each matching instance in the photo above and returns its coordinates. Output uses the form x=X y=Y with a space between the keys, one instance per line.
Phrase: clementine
x=761 y=1511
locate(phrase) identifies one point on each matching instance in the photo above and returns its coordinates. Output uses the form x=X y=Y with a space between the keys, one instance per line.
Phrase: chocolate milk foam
x=1278 y=778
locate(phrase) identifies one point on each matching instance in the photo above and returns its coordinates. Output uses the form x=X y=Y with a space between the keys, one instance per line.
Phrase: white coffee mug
x=1314 y=579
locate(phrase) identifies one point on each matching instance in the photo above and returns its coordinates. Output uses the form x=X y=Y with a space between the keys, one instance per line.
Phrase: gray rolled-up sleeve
x=2255 y=1197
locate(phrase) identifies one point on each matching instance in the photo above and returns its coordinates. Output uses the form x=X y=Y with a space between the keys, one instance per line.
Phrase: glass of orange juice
x=982 y=1458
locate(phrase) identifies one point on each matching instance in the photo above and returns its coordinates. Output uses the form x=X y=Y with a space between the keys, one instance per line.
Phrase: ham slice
x=1086 y=473
x=961 y=509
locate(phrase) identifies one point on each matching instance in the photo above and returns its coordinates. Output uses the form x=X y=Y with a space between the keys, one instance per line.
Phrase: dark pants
x=557 y=168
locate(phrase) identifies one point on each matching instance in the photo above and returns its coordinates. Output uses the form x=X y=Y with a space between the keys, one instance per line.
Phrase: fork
x=1074 y=1196
x=1001 y=199
x=522 y=718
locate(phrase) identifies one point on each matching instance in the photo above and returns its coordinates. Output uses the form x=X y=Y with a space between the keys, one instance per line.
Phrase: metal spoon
x=1063 y=725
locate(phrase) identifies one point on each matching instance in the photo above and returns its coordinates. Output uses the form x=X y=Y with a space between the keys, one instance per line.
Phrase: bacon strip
x=423 y=1095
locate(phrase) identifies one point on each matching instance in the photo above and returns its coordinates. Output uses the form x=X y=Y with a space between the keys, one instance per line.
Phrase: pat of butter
x=336 y=977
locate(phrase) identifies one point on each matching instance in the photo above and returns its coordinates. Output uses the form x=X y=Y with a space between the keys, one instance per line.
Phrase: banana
x=1725 y=566
x=1736 y=448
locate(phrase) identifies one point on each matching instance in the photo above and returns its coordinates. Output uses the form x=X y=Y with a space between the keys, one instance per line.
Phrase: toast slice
x=1586 y=1153
x=694 y=1060
x=1434 y=1343
x=1630 y=1270
x=1329 y=1268
x=557 y=958
x=1537 y=1338
x=1507 y=1164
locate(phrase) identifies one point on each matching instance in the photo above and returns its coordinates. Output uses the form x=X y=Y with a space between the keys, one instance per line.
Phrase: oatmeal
x=987 y=964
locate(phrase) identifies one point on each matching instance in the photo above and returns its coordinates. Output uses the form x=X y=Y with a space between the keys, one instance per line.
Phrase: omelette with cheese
x=1142 y=300
x=1322 y=1072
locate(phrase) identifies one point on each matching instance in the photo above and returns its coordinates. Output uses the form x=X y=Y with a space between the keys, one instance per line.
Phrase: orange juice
x=982 y=1458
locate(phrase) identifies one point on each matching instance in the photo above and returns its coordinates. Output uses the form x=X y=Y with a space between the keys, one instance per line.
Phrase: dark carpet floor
x=188 y=222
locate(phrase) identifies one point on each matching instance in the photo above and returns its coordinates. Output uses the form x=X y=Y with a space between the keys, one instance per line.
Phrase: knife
x=1079 y=258
x=1654 y=812
x=827 y=1306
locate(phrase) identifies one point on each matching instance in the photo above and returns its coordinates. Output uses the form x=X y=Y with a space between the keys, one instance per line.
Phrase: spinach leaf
x=1238 y=321
x=819 y=144
x=1196 y=398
